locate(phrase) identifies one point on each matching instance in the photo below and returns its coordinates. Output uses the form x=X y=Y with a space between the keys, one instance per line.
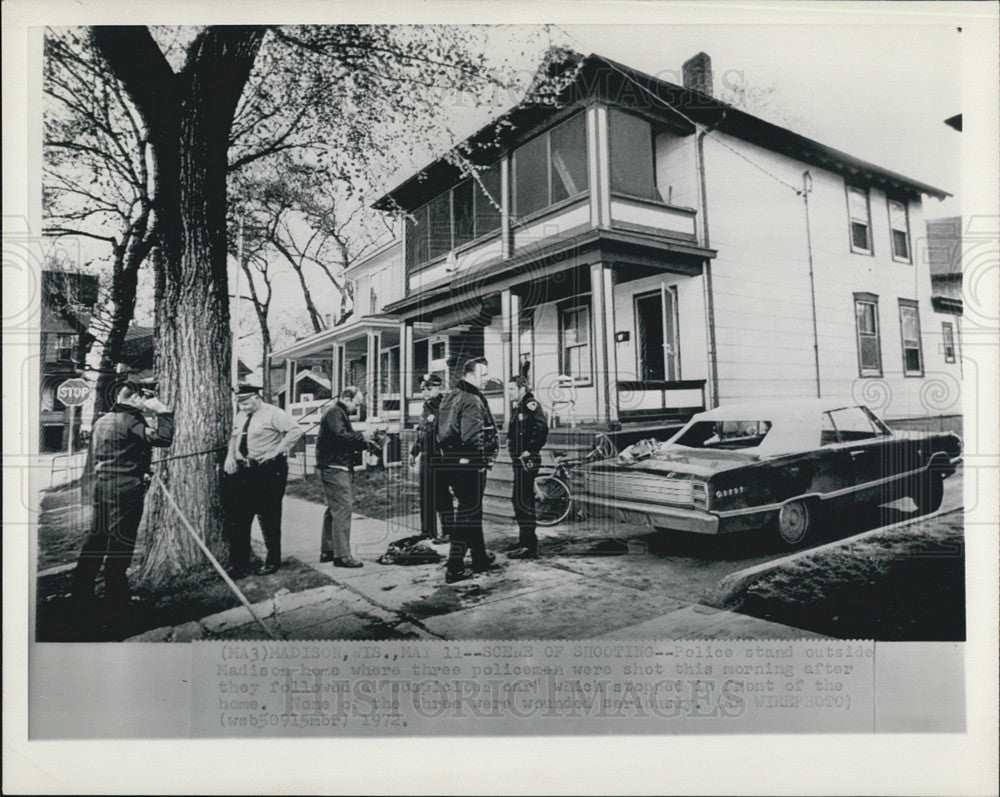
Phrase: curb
x=735 y=582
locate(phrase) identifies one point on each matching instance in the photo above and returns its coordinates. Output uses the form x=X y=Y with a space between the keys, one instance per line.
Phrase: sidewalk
x=521 y=600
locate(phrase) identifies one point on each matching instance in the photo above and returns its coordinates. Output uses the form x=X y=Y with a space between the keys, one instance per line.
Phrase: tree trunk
x=189 y=116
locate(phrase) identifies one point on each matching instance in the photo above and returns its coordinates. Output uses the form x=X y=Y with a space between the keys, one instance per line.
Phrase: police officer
x=121 y=449
x=467 y=437
x=526 y=434
x=435 y=498
x=257 y=472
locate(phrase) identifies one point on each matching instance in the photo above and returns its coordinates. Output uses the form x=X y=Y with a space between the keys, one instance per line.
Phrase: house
x=68 y=300
x=650 y=251
x=944 y=259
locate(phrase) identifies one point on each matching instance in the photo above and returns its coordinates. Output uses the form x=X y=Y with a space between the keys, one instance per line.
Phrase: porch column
x=505 y=236
x=508 y=355
x=405 y=369
x=602 y=311
x=371 y=356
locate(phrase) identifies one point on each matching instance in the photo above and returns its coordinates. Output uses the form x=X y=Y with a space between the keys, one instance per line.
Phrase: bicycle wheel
x=552 y=501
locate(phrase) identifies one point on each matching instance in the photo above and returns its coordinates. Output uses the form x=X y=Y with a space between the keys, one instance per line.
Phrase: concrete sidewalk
x=540 y=599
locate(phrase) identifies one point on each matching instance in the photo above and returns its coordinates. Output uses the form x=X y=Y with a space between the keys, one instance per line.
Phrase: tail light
x=699 y=494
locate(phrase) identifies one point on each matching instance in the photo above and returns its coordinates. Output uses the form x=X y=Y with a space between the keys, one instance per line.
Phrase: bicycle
x=553 y=495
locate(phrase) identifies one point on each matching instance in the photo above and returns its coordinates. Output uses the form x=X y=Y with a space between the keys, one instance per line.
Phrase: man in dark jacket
x=338 y=450
x=467 y=436
x=121 y=449
x=435 y=498
x=526 y=434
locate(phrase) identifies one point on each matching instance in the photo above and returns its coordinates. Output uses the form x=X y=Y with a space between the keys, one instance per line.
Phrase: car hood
x=680 y=462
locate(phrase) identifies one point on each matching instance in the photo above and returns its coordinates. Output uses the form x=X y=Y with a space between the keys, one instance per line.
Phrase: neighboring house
x=944 y=258
x=67 y=306
x=649 y=251
x=363 y=349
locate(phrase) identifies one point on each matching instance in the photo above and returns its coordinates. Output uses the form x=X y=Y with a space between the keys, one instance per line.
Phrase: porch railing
x=673 y=401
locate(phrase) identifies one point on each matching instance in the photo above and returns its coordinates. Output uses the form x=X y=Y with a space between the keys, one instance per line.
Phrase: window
x=633 y=170
x=860 y=218
x=551 y=167
x=65 y=347
x=727 y=435
x=574 y=343
x=948 y=340
x=389 y=370
x=900 y=229
x=869 y=346
x=526 y=335
x=852 y=423
x=459 y=216
x=909 y=330
x=421 y=363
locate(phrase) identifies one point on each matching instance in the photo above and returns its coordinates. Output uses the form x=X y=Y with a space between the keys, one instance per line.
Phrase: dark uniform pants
x=255 y=491
x=118 y=503
x=468 y=484
x=523 y=499
x=435 y=500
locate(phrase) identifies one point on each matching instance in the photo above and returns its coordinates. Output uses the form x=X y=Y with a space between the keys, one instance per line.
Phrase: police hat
x=431 y=380
x=246 y=389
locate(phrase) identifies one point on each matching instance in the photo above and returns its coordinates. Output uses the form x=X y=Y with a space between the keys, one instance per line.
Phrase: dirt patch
x=379 y=493
x=904 y=584
x=59 y=620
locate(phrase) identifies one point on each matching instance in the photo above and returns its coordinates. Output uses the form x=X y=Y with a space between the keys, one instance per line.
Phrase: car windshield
x=724 y=434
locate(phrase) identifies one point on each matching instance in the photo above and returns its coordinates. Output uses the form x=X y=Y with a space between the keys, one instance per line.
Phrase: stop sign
x=73 y=392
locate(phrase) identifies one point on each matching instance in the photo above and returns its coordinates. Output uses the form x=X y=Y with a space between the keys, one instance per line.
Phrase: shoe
x=346 y=561
x=451 y=576
x=326 y=557
x=442 y=540
x=239 y=571
x=523 y=553
x=486 y=564
x=268 y=569
x=514 y=546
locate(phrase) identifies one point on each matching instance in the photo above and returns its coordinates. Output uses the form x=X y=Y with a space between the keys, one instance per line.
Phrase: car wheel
x=929 y=492
x=793 y=522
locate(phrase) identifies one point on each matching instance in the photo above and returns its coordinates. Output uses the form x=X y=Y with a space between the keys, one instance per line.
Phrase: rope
x=215 y=562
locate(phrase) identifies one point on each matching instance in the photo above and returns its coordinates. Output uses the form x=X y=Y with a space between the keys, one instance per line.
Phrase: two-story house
x=650 y=250
x=68 y=300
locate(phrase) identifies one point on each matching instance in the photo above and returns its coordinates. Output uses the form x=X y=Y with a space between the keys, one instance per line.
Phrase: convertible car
x=785 y=464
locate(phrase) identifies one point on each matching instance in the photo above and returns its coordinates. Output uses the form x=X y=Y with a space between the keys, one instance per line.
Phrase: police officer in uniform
x=467 y=437
x=121 y=449
x=435 y=498
x=257 y=472
x=526 y=434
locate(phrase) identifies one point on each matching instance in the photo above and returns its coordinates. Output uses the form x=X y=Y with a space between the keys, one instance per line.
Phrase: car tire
x=929 y=491
x=794 y=521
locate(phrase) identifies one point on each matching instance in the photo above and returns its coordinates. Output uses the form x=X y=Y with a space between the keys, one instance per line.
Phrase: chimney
x=697 y=72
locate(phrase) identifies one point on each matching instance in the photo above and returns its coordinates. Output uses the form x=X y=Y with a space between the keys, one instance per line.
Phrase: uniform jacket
x=528 y=428
x=427 y=431
x=466 y=427
x=338 y=443
x=122 y=442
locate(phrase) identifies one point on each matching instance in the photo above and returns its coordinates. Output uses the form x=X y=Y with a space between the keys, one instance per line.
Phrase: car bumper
x=666 y=517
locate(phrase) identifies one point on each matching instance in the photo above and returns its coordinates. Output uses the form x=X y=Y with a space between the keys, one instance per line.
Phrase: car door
x=869 y=448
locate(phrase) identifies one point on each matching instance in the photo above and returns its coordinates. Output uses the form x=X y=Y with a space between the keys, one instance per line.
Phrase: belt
x=250 y=462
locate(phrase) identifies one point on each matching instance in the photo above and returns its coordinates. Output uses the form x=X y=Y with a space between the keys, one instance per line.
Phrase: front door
x=656 y=329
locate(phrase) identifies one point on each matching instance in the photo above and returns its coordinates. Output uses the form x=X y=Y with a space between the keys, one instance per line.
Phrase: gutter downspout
x=713 y=364
x=806 y=190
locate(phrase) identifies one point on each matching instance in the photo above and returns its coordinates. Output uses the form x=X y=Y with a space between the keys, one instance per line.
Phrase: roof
x=318 y=341
x=604 y=78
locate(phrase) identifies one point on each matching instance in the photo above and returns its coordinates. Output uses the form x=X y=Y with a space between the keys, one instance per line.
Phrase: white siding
x=762 y=297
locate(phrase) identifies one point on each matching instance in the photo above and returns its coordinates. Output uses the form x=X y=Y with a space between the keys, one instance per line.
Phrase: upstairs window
x=909 y=331
x=869 y=345
x=633 y=168
x=899 y=226
x=860 y=219
x=459 y=216
x=551 y=167
x=65 y=347
x=948 y=341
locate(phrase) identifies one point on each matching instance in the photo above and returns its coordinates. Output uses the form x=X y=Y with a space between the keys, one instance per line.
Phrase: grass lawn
x=379 y=493
x=903 y=584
